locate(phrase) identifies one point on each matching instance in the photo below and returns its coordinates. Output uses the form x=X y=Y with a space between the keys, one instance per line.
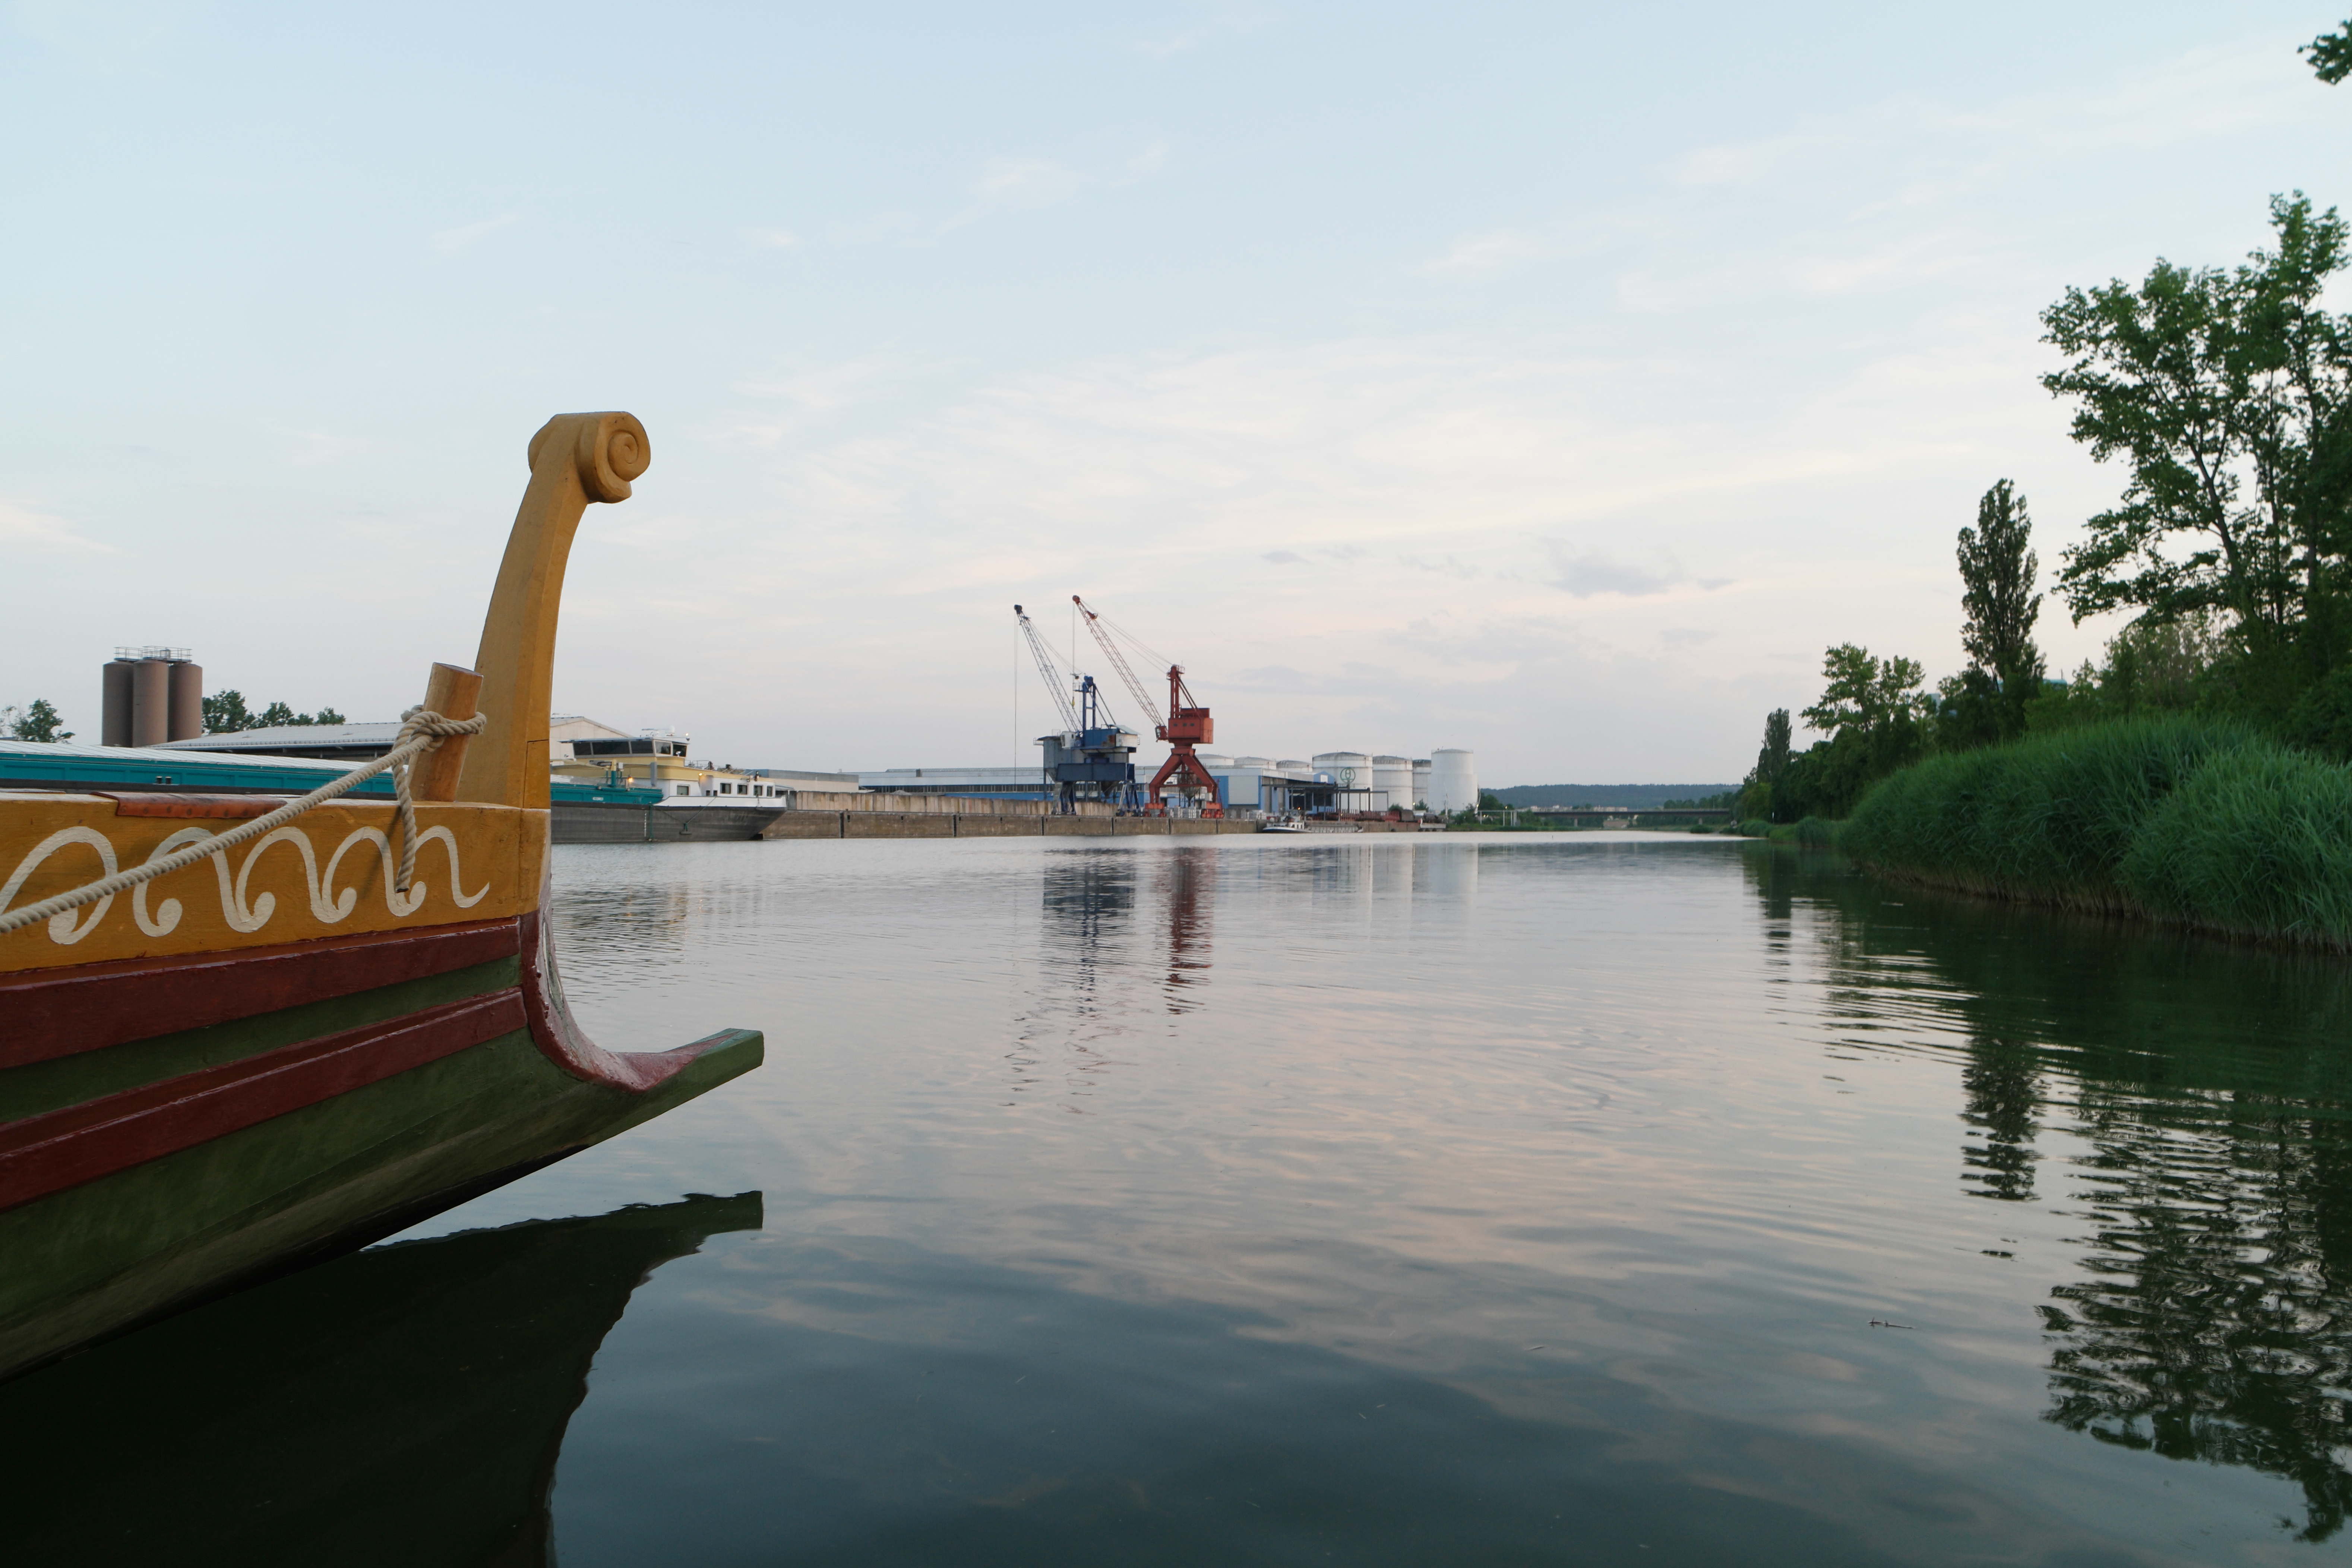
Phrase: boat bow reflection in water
x=402 y=1405
x=2211 y=1090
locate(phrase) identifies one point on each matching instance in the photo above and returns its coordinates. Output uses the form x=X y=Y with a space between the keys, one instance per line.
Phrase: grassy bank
x=2178 y=819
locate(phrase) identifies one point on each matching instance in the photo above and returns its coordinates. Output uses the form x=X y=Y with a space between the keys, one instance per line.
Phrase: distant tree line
x=225 y=713
x=2225 y=396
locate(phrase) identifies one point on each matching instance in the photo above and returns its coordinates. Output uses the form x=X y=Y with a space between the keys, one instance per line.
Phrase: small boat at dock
x=238 y=1031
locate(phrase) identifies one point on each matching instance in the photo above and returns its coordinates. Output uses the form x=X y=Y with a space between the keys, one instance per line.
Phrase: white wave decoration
x=327 y=906
x=166 y=917
x=62 y=929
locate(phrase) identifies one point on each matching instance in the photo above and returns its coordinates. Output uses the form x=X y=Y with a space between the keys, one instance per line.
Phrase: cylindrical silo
x=1215 y=762
x=187 y=684
x=1295 y=765
x=1421 y=781
x=114 y=706
x=1392 y=777
x=151 y=701
x=1258 y=764
x=1452 y=780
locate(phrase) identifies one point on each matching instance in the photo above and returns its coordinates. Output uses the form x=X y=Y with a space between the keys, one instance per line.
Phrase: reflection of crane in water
x=1090 y=900
x=1190 y=870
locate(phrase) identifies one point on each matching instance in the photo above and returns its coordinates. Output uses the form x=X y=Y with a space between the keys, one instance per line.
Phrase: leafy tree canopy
x=2229 y=396
x=1866 y=694
x=2330 y=54
x=225 y=713
x=38 y=721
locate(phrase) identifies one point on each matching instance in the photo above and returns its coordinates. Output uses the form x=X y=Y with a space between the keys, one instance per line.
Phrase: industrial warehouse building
x=1330 y=781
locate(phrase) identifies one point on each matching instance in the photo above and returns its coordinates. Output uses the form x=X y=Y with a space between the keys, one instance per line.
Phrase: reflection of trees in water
x=2214 y=1324
x=2210 y=1083
x=2003 y=1085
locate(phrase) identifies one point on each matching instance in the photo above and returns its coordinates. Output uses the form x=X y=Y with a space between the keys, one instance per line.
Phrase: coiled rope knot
x=419 y=724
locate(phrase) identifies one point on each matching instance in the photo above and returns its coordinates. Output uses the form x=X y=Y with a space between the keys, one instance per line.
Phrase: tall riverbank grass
x=2180 y=819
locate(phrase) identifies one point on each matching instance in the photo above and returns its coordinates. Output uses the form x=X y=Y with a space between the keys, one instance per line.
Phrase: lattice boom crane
x=1048 y=670
x=1186 y=725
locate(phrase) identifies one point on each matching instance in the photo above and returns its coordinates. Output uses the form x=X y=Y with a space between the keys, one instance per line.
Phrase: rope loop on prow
x=424 y=730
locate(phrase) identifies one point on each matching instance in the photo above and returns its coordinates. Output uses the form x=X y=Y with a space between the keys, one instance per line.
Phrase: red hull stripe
x=60 y=1149
x=58 y=1012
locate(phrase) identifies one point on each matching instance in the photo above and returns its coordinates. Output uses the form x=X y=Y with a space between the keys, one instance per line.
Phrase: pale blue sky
x=1555 y=381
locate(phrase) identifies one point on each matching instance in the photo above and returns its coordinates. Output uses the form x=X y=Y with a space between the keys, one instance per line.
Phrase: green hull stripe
x=37 y=1087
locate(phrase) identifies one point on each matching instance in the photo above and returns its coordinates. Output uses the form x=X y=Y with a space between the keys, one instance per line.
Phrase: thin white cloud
x=801 y=397
x=1217 y=23
x=105 y=38
x=1027 y=182
x=29 y=529
x=450 y=240
x=1585 y=574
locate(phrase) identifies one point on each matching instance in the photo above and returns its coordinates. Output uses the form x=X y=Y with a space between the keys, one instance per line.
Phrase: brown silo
x=188 y=686
x=151 y=701
x=114 y=722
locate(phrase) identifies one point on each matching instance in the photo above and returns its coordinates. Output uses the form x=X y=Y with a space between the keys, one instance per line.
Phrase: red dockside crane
x=1186 y=723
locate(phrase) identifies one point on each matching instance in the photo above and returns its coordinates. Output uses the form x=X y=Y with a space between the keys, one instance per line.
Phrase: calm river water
x=1372 y=1200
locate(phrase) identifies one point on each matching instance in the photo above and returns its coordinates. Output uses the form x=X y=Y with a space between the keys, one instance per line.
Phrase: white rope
x=421 y=731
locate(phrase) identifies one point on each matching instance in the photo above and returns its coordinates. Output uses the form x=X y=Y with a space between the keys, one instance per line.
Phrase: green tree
x=2330 y=54
x=1998 y=570
x=328 y=716
x=1771 y=767
x=225 y=713
x=39 y=721
x=2229 y=394
x=1873 y=712
x=275 y=715
x=1866 y=696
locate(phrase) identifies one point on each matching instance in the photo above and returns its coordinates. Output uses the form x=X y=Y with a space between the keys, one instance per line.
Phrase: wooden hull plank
x=56 y=1012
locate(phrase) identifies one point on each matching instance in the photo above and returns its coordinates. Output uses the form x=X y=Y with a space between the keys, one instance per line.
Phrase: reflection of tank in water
x=402 y=1405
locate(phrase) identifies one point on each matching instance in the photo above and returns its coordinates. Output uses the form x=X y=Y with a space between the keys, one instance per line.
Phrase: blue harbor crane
x=1092 y=758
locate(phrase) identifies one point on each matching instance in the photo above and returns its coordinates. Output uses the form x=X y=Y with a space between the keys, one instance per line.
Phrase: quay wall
x=947 y=825
x=931 y=804
x=586 y=823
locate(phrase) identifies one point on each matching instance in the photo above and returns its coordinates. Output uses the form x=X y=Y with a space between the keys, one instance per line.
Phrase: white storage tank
x=1254 y=764
x=1214 y=762
x=1421 y=781
x=1352 y=771
x=1392 y=776
x=1299 y=765
x=1452 y=780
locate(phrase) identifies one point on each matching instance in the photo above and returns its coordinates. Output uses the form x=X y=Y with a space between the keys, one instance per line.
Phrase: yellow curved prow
x=575 y=459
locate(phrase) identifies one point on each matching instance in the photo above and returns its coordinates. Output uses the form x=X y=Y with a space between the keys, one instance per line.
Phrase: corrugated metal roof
x=281 y=735
x=69 y=764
